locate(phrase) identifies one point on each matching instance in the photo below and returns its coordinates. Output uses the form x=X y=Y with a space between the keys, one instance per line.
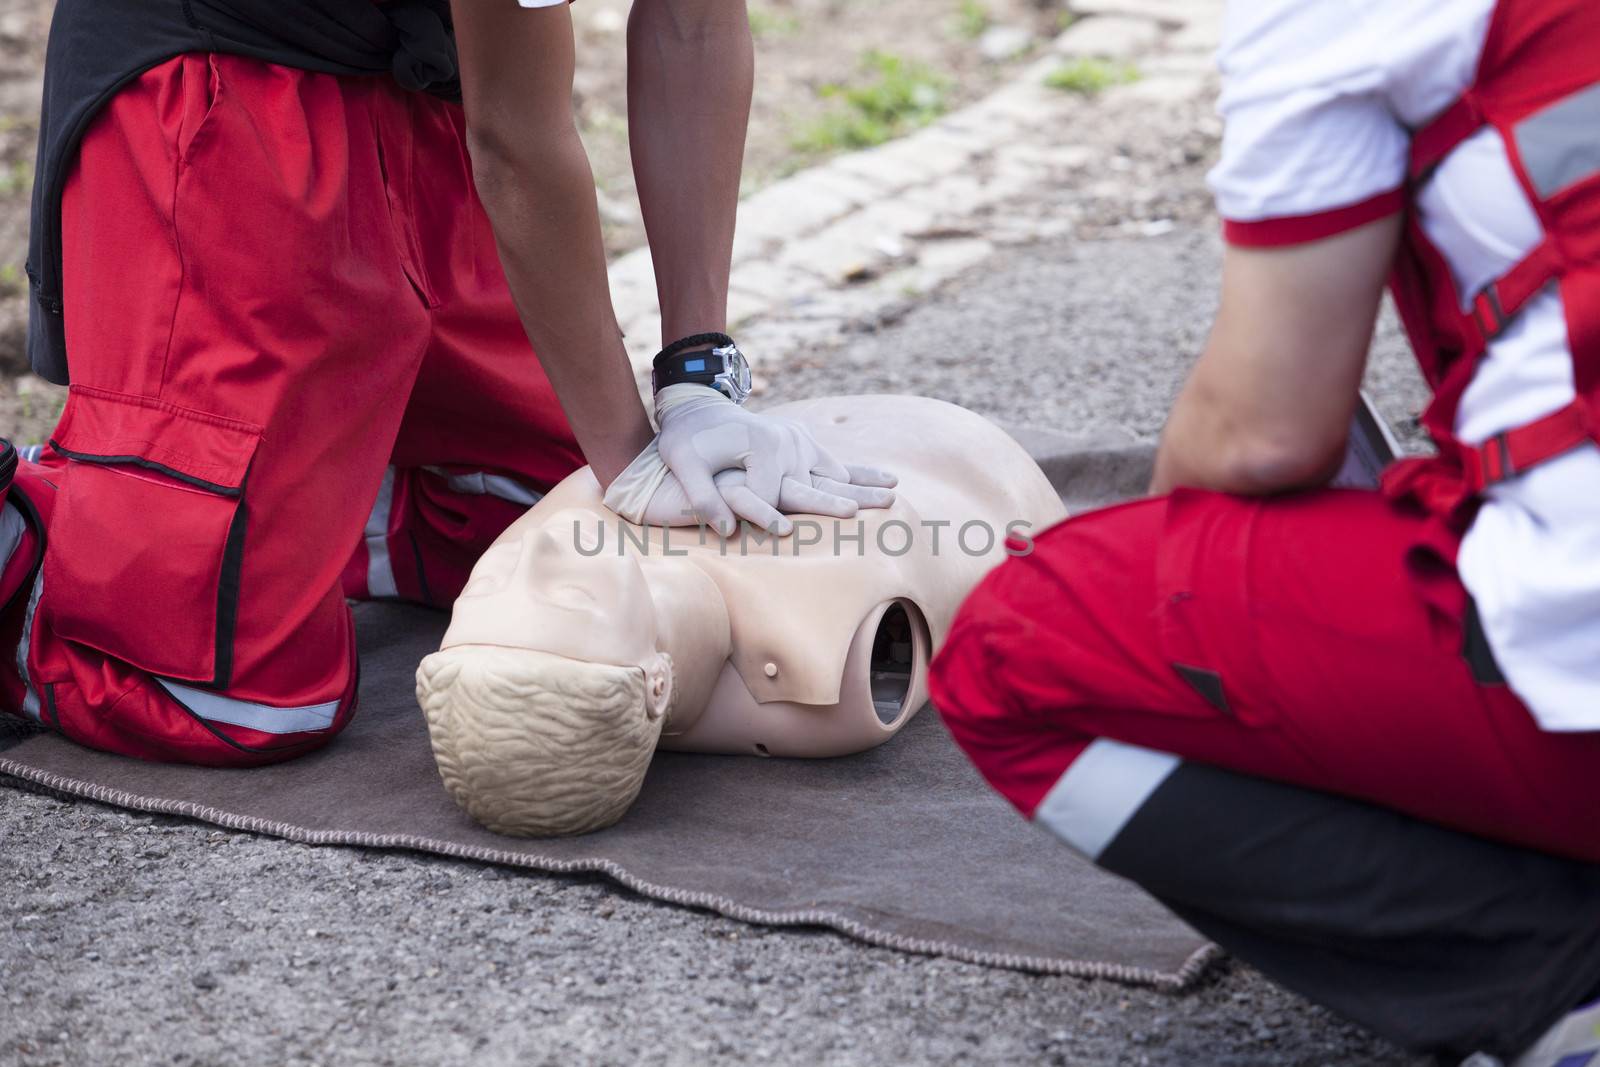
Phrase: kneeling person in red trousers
x=298 y=343
x=1354 y=736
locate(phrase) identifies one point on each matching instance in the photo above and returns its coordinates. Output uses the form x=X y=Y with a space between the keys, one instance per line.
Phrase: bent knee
x=1008 y=661
x=1019 y=752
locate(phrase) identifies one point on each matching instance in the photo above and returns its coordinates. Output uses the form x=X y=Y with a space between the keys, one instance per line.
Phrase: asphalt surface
x=1088 y=338
x=132 y=940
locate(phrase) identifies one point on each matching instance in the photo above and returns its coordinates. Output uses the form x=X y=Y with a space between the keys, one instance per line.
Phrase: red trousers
x=283 y=303
x=1279 y=638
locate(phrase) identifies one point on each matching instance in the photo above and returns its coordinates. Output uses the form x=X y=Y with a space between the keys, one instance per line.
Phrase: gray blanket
x=903 y=846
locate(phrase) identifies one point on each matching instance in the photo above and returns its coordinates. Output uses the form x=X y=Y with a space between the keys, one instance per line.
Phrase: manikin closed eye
x=581 y=643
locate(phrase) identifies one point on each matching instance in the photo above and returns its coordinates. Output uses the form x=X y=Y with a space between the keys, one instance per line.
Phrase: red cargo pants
x=283 y=303
x=1278 y=637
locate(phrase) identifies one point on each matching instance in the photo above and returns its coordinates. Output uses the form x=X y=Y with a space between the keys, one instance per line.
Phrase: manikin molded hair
x=536 y=745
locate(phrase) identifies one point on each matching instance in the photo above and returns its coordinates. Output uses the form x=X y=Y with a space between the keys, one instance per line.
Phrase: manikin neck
x=692 y=628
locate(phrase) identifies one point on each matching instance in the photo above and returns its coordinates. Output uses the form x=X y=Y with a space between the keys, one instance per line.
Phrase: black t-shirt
x=98 y=46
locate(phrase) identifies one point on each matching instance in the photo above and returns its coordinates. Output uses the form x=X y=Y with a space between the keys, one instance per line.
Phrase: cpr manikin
x=582 y=642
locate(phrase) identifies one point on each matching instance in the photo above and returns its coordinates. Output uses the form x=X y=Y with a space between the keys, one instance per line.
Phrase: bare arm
x=1268 y=405
x=536 y=184
x=690 y=72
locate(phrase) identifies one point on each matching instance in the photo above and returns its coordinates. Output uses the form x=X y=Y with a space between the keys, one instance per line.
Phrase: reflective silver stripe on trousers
x=12 y=528
x=30 y=696
x=1560 y=145
x=482 y=483
x=1091 y=803
x=380 y=572
x=31 y=453
x=214 y=707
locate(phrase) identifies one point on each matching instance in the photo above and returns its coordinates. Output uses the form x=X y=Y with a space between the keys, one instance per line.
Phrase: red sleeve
x=1302 y=229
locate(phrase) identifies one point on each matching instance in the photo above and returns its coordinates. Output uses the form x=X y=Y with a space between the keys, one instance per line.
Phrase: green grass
x=16 y=179
x=897 y=96
x=767 y=23
x=972 y=18
x=10 y=280
x=1091 y=76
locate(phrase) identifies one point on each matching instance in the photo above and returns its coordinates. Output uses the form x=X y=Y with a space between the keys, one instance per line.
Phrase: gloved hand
x=714 y=462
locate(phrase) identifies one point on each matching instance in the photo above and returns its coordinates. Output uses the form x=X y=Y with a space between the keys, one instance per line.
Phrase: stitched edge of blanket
x=65 y=787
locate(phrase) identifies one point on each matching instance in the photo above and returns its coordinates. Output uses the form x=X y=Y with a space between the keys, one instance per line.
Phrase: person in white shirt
x=1355 y=735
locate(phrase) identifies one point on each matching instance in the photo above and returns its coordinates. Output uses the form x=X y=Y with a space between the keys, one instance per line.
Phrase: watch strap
x=693 y=341
x=697 y=367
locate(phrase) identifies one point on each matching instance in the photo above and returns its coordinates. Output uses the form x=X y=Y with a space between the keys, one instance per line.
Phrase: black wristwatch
x=703 y=359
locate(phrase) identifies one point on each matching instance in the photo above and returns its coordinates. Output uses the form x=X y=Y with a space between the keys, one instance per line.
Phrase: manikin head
x=552 y=735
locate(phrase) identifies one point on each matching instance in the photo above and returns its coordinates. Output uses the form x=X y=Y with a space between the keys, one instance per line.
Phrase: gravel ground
x=1088 y=338
x=139 y=940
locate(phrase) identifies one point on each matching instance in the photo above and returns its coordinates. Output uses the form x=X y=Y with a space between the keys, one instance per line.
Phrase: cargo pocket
x=148 y=533
x=1202 y=609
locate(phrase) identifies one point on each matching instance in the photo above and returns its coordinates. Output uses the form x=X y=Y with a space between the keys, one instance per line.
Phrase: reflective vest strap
x=1492 y=311
x=1557 y=145
x=1431 y=143
x=1499 y=302
x=1511 y=452
x=1538 y=85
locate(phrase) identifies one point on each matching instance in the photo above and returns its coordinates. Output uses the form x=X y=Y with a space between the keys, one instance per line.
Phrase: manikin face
x=535 y=590
x=546 y=700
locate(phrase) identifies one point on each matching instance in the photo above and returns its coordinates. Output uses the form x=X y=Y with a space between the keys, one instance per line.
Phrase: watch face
x=740 y=368
x=735 y=376
x=733 y=381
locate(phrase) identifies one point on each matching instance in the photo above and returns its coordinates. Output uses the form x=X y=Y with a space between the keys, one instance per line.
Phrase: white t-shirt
x=1318 y=99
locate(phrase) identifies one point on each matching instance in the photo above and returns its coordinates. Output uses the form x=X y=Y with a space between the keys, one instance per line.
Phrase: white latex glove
x=714 y=462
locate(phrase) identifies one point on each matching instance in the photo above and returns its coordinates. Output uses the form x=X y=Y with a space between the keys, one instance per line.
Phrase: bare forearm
x=547 y=228
x=537 y=187
x=690 y=73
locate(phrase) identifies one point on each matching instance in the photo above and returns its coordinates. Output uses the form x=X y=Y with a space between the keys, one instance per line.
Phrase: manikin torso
x=814 y=644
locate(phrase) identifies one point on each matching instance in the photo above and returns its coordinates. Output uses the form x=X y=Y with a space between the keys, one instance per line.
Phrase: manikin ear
x=658 y=687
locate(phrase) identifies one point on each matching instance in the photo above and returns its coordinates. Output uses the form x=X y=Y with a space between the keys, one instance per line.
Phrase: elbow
x=1247 y=462
x=497 y=159
x=1216 y=441
x=1258 y=465
x=511 y=158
